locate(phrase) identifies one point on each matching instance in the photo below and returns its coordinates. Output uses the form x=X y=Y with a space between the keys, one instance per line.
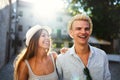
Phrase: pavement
x=6 y=73
x=114 y=57
x=115 y=70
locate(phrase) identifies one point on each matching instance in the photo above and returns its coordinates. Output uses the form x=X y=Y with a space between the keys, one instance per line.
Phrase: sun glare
x=47 y=8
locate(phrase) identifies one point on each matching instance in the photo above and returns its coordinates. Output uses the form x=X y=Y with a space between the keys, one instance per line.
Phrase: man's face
x=80 y=31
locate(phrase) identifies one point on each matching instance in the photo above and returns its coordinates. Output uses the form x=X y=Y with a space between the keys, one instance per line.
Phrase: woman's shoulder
x=23 y=65
x=23 y=68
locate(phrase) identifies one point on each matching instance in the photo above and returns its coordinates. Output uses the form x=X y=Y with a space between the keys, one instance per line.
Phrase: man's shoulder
x=64 y=55
x=97 y=50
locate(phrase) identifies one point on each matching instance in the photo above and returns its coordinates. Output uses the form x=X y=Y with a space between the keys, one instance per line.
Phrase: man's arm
x=59 y=69
x=107 y=75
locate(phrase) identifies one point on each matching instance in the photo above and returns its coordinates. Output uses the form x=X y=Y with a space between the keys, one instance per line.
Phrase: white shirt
x=70 y=66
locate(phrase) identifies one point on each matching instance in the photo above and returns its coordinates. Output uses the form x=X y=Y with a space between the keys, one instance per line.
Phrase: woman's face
x=44 y=40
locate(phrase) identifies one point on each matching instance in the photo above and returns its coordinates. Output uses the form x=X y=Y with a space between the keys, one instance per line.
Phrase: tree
x=104 y=13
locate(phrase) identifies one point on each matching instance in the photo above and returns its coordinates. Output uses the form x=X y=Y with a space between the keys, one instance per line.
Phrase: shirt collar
x=91 y=51
x=72 y=51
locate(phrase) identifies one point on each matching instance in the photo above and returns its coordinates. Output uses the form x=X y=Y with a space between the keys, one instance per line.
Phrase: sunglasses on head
x=87 y=73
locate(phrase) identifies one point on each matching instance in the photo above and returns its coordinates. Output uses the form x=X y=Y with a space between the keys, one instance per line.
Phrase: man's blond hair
x=81 y=16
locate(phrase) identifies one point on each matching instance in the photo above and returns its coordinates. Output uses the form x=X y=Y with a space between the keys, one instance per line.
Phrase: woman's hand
x=64 y=50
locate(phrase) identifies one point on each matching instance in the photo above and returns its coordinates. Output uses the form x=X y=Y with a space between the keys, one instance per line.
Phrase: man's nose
x=83 y=31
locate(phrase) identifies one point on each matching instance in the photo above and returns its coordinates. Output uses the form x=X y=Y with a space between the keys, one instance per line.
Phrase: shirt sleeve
x=59 y=69
x=107 y=75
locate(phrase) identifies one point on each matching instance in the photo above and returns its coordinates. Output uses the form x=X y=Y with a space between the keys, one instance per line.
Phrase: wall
x=4 y=24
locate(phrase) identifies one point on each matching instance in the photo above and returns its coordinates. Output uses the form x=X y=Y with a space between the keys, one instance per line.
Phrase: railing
x=114 y=57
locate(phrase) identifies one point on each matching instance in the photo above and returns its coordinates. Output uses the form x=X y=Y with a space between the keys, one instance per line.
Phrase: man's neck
x=83 y=52
x=82 y=49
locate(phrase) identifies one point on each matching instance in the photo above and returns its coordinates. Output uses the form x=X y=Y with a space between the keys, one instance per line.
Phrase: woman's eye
x=43 y=35
x=49 y=35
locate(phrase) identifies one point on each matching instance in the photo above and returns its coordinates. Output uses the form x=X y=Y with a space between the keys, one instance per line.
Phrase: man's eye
x=87 y=29
x=78 y=28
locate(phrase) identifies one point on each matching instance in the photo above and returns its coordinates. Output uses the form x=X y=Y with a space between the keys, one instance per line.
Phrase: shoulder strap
x=53 y=60
x=29 y=68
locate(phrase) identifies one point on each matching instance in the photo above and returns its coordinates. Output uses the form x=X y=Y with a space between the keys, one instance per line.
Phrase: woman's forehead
x=44 y=31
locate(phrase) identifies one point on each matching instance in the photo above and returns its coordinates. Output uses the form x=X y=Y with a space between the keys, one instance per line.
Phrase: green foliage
x=54 y=45
x=104 y=13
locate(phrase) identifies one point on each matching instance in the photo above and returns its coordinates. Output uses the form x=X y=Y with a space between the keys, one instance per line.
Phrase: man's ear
x=71 y=33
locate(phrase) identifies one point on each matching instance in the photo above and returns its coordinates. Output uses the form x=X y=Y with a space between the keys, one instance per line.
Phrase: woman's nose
x=47 y=37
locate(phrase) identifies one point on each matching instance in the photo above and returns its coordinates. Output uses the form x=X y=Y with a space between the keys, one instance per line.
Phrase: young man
x=82 y=61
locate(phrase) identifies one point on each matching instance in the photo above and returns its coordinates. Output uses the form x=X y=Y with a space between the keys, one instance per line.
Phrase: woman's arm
x=64 y=50
x=23 y=71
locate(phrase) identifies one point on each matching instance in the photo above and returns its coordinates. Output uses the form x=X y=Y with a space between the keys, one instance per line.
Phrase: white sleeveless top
x=51 y=76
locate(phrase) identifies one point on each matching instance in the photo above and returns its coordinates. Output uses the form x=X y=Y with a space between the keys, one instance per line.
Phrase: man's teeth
x=82 y=36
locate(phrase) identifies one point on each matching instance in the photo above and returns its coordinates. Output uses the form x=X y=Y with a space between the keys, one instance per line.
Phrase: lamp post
x=8 y=46
x=17 y=18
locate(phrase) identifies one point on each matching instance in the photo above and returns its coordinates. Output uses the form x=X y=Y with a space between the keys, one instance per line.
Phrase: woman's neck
x=41 y=55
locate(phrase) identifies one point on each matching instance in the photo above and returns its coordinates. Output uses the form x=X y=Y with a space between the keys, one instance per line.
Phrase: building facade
x=58 y=24
x=7 y=26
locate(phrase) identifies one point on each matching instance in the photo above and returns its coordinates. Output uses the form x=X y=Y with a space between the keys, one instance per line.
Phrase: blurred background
x=17 y=16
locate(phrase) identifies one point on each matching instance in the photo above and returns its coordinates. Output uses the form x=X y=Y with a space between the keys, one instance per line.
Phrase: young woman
x=36 y=62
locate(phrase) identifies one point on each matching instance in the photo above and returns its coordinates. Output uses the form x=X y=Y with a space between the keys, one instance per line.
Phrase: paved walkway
x=114 y=57
x=6 y=72
x=115 y=70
